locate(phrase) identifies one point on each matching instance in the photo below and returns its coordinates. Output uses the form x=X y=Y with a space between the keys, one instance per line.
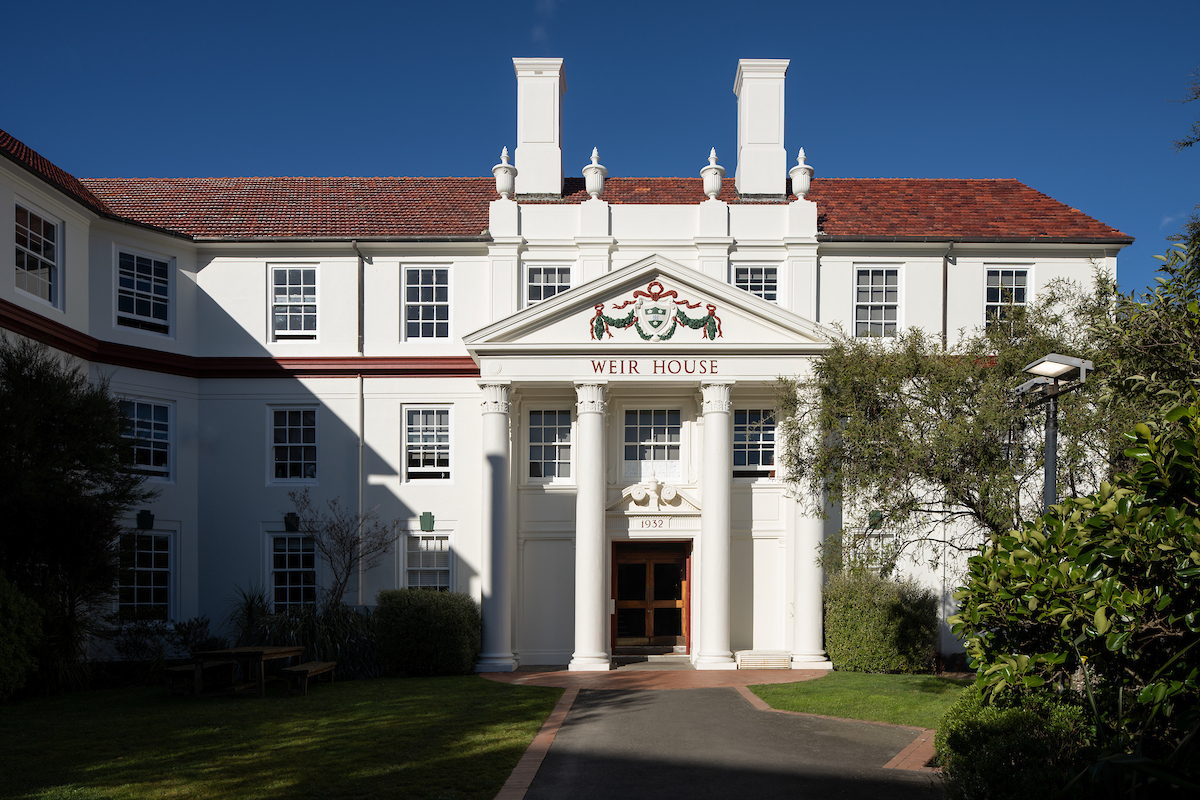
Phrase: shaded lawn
x=918 y=700
x=431 y=738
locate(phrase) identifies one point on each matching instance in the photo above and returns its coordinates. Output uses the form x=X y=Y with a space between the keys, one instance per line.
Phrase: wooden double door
x=651 y=586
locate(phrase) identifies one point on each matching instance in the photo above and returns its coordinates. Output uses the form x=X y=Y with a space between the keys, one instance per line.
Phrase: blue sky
x=1073 y=98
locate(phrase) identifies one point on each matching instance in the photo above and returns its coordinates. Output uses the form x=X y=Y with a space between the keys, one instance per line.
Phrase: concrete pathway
x=618 y=735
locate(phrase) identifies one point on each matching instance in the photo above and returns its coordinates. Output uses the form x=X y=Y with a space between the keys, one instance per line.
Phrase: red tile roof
x=304 y=207
x=949 y=208
x=870 y=209
x=850 y=208
x=23 y=155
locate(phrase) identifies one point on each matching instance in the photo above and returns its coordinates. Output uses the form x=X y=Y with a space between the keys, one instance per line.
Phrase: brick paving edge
x=522 y=776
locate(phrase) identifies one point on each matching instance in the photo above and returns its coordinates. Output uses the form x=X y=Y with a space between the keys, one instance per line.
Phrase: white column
x=714 y=529
x=808 y=647
x=591 y=599
x=498 y=546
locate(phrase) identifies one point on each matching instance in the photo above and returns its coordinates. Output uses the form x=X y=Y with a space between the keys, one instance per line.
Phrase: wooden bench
x=302 y=672
x=184 y=676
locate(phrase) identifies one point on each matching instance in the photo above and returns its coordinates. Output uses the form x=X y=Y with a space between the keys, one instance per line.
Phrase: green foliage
x=65 y=485
x=422 y=632
x=928 y=433
x=1010 y=752
x=1146 y=347
x=144 y=645
x=1192 y=93
x=248 y=607
x=328 y=632
x=192 y=635
x=1105 y=588
x=874 y=624
x=20 y=632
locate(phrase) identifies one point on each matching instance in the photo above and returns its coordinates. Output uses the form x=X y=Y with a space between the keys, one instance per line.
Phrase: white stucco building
x=563 y=386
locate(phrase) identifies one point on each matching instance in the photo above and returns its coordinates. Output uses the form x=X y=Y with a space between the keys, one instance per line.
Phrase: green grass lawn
x=413 y=738
x=919 y=700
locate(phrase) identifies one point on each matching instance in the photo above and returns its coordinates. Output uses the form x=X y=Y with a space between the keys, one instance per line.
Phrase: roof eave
x=1110 y=240
x=315 y=239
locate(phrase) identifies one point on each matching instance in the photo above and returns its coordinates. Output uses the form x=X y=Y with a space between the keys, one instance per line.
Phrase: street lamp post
x=1049 y=371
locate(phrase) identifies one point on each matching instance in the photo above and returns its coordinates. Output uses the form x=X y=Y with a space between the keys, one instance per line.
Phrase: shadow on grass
x=421 y=738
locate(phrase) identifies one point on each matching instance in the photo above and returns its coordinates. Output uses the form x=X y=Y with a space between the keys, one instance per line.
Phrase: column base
x=810 y=661
x=590 y=664
x=499 y=662
x=715 y=662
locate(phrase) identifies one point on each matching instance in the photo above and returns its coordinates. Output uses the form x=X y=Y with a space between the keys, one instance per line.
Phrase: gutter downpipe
x=361 y=415
x=946 y=294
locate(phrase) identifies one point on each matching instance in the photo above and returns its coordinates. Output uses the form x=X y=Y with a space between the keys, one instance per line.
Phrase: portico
x=654 y=402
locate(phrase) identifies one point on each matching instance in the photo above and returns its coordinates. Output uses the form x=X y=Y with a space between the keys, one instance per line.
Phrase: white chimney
x=540 y=87
x=761 y=158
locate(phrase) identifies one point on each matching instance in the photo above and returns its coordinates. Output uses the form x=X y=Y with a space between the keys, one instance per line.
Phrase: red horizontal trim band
x=30 y=324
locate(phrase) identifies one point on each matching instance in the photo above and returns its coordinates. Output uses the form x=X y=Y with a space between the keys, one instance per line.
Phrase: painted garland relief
x=656 y=314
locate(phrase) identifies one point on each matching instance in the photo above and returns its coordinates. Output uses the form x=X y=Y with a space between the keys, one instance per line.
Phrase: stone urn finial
x=506 y=176
x=712 y=175
x=801 y=176
x=594 y=175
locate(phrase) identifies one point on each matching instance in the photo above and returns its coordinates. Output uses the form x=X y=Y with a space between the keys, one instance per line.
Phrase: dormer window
x=759 y=281
x=544 y=282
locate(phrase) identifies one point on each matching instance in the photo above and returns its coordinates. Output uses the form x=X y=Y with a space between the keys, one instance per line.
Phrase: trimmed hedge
x=20 y=633
x=1030 y=749
x=328 y=632
x=874 y=624
x=423 y=632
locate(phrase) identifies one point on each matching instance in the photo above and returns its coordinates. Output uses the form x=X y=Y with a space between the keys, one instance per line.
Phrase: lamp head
x=1056 y=366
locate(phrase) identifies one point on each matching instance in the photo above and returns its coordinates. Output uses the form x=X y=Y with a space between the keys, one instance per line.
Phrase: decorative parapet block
x=594 y=175
x=801 y=176
x=506 y=176
x=712 y=175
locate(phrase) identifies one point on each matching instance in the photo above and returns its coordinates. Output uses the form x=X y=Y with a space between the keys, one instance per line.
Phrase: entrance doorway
x=652 y=588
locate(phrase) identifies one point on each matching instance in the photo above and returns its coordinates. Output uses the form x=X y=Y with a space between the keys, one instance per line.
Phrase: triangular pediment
x=654 y=306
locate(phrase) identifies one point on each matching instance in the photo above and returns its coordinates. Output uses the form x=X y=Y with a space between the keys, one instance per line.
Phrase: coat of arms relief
x=656 y=313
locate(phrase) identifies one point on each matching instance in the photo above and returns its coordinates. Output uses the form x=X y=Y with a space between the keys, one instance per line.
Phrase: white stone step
x=763 y=659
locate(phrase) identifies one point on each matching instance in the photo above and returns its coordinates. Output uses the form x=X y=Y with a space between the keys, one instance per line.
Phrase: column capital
x=495 y=396
x=716 y=397
x=590 y=397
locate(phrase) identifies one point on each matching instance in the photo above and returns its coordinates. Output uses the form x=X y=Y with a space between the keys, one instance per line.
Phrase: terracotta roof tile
x=23 y=155
x=849 y=208
x=303 y=207
x=866 y=208
x=945 y=208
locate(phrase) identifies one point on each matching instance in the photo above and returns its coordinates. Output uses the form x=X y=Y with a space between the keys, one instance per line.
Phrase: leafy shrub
x=1107 y=587
x=246 y=610
x=193 y=635
x=873 y=624
x=144 y=646
x=20 y=632
x=328 y=632
x=994 y=752
x=427 y=633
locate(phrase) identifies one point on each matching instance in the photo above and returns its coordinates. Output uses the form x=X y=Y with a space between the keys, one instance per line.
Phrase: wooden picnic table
x=255 y=657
